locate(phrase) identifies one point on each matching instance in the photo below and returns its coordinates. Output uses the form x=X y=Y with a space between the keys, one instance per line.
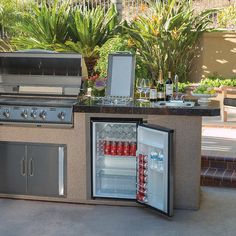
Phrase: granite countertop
x=88 y=105
x=230 y=102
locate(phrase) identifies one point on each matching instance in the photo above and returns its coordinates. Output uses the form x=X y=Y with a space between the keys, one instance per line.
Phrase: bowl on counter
x=203 y=99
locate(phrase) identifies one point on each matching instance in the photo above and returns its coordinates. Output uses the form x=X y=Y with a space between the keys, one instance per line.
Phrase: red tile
x=204 y=157
x=229 y=184
x=218 y=164
x=210 y=173
x=228 y=175
x=231 y=165
x=233 y=177
x=205 y=163
x=219 y=174
x=203 y=170
x=211 y=182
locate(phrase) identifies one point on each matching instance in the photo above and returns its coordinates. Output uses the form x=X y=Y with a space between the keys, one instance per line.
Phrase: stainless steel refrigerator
x=133 y=160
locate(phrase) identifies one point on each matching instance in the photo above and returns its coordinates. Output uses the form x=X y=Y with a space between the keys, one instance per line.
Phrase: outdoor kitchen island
x=186 y=125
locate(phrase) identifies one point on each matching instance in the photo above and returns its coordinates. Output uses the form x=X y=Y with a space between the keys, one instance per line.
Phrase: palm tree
x=89 y=29
x=43 y=25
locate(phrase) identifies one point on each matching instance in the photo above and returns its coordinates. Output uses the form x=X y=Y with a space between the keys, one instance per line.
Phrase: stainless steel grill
x=39 y=88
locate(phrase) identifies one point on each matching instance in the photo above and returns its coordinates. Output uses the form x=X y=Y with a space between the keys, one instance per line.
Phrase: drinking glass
x=146 y=87
x=140 y=84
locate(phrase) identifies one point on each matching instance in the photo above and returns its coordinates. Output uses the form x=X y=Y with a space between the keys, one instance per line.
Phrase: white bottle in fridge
x=160 y=162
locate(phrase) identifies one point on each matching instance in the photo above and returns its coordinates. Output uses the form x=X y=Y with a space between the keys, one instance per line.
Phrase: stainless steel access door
x=46 y=170
x=13 y=168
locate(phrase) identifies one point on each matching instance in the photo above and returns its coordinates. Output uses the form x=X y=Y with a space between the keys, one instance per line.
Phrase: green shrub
x=217 y=81
x=227 y=17
x=43 y=25
x=10 y=12
x=119 y=44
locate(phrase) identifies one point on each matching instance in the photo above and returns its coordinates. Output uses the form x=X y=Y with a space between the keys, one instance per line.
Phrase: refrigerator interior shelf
x=111 y=193
x=122 y=173
x=117 y=140
x=117 y=162
x=116 y=157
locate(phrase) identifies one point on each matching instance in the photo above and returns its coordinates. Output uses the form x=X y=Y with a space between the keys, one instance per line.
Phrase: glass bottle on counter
x=169 y=87
x=160 y=87
x=153 y=92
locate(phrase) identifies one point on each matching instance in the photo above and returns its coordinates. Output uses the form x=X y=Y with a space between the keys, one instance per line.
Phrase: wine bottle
x=169 y=87
x=153 y=92
x=160 y=87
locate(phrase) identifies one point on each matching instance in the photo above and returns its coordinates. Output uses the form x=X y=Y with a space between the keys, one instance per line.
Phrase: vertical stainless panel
x=94 y=158
x=13 y=171
x=61 y=170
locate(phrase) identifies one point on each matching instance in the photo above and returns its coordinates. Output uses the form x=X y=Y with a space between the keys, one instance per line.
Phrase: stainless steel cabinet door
x=13 y=168
x=45 y=170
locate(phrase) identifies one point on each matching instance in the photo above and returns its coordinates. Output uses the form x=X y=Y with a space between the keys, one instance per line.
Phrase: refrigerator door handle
x=31 y=167
x=23 y=172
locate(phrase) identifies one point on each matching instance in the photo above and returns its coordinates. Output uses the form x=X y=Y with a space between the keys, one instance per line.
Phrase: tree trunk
x=90 y=64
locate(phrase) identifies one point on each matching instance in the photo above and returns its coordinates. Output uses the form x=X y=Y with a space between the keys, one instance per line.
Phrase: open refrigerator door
x=155 y=168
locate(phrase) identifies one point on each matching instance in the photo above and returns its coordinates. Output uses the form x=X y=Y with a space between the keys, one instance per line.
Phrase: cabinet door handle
x=31 y=167
x=22 y=163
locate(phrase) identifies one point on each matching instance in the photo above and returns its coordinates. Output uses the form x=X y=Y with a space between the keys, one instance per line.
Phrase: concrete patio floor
x=217 y=216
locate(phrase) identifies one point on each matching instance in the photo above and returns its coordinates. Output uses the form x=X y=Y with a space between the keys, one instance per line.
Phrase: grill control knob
x=6 y=113
x=33 y=114
x=43 y=114
x=24 y=114
x=61 y=115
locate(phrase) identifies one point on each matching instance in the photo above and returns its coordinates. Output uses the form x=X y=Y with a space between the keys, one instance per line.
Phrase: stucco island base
x=187 y=152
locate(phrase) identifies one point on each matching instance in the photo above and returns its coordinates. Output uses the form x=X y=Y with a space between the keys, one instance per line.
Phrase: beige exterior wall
x=217 y=55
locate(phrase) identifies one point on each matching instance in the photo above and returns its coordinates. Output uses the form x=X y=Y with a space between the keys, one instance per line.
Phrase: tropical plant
x=166 y=38
x=227 y=17
x=8 y=17
x=119 y=44
x=89 y=30
x=44 y=25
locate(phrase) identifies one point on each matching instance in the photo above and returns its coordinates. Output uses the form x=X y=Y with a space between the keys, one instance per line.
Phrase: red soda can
x=126 y=149
x=143 y=199
x=142 y=179
x=133 y=148
x=113 y=148
x=142 y=189
x=120 y=148
x=142 y=159
x=143 y=172
x=138 y=196
x=107 y=148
